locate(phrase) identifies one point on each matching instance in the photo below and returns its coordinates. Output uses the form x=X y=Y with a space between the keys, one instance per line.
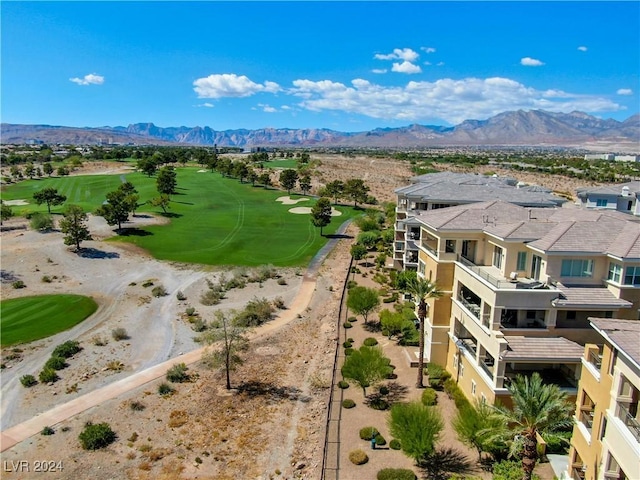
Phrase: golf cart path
x=18 y=433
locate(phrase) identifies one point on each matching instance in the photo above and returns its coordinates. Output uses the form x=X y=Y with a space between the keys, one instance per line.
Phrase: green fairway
x=286 y=163
x=214 y=220
x=31 y=318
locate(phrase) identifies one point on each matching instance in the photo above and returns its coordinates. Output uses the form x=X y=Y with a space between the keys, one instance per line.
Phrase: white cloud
x=624 y=91
x=405 y=67
x=205 y=104
x=531 y=62
x=440 y=64
x=267 y=108
x=231 y=85
x=89 y=79
x=405 y=54
x=428 y=49
x=582 y=48
x=450 y=100
x=379 y=70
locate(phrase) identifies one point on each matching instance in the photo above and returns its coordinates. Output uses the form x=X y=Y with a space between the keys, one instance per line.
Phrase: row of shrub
x=56 y=362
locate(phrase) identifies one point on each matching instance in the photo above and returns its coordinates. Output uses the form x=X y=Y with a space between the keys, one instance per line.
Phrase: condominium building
x=622 y=197
x=445 y=189
x=521 y=284
x=606 y=437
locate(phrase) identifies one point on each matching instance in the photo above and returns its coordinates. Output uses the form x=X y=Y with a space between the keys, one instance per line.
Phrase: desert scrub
x=178 y=373
x=159 y=291
x=396 y=474
x=18 y=284
x=67 y=349
x=278 y=302
x=119 y=334
x=181 y=296
x=28 y=381
x=56 y=363
x=348 y=403
x=178 y=418
x=47 y=431
x=48 y=375
x=46 y=279
x=164 y=389
x=358 y=457
x=96 y=436
x=115 y=366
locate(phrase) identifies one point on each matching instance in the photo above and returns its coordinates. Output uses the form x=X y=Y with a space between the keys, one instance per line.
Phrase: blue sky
x=348 y=66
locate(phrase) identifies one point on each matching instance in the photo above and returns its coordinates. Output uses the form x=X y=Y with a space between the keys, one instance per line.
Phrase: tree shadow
x=95 y=253
x=171 y=214
x=8 y=277
x=338 y=235
x=133 y=232
x=444 y=462
x=372 y=327
x=182 y=203
x=272 y=392
x=141 y=215
x=397 y=392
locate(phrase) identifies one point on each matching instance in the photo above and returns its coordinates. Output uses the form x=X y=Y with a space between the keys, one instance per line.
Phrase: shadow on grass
x=171 y=214
x=133 y=232
x=445 y=462
x=273 y=392
x=338 y=235
x=95 y=253
x=183 y=203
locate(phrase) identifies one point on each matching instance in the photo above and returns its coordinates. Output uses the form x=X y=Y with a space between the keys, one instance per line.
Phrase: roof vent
x=625 y=191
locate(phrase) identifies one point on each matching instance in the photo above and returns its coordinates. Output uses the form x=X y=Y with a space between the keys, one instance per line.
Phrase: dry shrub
x=178 y=418
x=145 y=466
x=156 y=454
x=358 y=457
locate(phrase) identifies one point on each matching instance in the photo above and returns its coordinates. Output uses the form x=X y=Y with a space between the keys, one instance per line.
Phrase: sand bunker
x=15 y=202
x=307 y=210
x=290 y=201
x=202 y=171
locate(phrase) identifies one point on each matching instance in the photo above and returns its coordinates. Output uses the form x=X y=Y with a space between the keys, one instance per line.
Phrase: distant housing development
x=612 y=157
x=521 y=284
x=606 y=437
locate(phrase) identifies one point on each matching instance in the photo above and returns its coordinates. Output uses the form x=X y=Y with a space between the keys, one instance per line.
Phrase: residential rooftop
x=623 y=334
x=451 y=187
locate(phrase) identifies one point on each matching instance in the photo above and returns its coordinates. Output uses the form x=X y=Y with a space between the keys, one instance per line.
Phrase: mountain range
x=513 y=128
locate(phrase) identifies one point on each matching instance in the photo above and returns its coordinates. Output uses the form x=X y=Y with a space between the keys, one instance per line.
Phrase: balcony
x=563 y=377
x=494 y=277
x=623 y=412
x=586 y=417
x=577 y=473
x=595 y=358
x=523 y=319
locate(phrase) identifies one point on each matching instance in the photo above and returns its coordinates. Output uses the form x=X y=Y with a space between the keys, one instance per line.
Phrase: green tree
x=62 y=171
x=232 y=343
x=366 y=366
x=305 y=183
x=356 y=190
x=363 y=301
x=29 y=170
x=321 y=213
x=162 y=201
x=117 y=208
x=147 y=165
x=265 y=179
x=50 y=196
x=167 y=181
x=334 y=190
x=5 y=212
x=537 y=408
x=358 y=251
x=395 y=323
x=288 y=179
x=417 y=427
x=421 y=289
x=74 y=226
x=479 y=427
x=47 y=168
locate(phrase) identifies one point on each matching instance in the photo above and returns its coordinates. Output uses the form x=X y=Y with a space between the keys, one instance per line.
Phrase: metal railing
x=496 y=282
x=632 y=423
x=595 y=359
x=330 y=410
x=586 y=418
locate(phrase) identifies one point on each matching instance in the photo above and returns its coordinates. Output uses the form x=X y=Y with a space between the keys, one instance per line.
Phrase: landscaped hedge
x=429 y=397
x=453 y=390
x=348 y=403
x=396 y=474
x=367 y=433
x=358 y=457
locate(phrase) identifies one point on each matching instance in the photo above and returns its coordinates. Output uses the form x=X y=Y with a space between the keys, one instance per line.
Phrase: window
x=450 y=246
x=632 y=276
x=483 y=398
x=603 y=427
x=571 y=314
x=473 y=387
x=497 y=257
x=580 y=268
x=461 y=369
x=522 y=261
x=421 y=267
x=612 y=364
x=601 y=202
x=455 y=361
x=615 y=272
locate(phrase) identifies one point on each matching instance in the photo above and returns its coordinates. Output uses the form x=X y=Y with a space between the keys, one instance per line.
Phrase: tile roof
x=469 y=188
x=591 y=297
x=624 y=334
x=547 y=229
x=540 y=349
x=615 y=189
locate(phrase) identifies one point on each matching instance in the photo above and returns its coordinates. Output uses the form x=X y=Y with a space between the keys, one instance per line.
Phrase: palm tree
x=537 y=408
x=421 y=289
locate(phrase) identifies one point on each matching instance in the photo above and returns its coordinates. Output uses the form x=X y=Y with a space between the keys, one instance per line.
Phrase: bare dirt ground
x=272 y=426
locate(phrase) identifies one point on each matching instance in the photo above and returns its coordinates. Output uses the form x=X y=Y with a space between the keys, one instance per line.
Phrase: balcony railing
x=496 y=282
x=577 y=473
x=622 y=412
x=586 y=417
x=488 y=369
x=595 y=359
x=472 y=307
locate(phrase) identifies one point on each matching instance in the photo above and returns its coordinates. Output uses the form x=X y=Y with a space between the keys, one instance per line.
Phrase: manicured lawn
x=214 y=220
x=31 y=318
x=286 y=163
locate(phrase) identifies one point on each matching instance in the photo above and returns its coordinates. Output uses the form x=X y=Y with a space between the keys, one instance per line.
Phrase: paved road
x=16 y=434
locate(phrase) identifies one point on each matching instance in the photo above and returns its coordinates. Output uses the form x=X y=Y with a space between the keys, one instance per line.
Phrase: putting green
x=27 y=319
